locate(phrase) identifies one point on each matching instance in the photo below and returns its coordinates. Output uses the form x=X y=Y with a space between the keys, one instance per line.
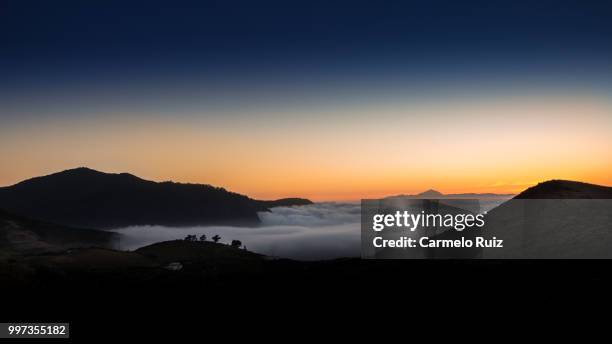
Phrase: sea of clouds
x=311 y=232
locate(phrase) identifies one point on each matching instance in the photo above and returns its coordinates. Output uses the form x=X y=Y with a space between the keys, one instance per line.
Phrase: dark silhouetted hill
x=195 y=251
x=203 y=259
x=84 y=197
x=566 y=189
x=286 y=202
x=554 y=219
x=22 y=235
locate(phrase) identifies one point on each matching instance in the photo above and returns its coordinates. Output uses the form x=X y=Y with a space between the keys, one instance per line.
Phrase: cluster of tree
x=216 y=238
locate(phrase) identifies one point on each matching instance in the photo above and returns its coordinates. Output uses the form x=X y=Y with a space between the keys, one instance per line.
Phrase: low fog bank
x=311 y=232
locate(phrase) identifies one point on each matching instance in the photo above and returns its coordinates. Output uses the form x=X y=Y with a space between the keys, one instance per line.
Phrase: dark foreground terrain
x=182 y=288
x=23 y=235
x=231 y=292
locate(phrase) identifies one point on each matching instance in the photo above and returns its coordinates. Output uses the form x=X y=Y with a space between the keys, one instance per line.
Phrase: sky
x=321 y=99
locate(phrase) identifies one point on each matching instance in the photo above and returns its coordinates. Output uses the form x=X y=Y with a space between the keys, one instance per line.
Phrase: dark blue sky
x=175 y=36
x=135 y=49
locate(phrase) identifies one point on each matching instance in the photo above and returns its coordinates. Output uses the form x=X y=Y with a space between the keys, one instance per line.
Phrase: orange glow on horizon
x=348 y=154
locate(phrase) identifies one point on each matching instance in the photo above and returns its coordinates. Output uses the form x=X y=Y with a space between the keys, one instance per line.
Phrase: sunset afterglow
x=500 y=145
x=328 y=102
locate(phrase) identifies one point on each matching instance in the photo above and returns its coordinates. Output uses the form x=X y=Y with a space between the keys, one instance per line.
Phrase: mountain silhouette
x=83 y=197
x=434 y=194
x=430 y=193
x=554 y=219
x=566 y=189
x=286 y=202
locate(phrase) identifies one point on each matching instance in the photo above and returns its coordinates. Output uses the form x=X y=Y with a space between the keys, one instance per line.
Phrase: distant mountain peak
x=77 y=176
x=80 y=170
x=430 y=193
x=86 y=171
x=434 y=194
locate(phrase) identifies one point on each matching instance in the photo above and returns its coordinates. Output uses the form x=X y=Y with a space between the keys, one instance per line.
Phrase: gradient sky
x=327 y=100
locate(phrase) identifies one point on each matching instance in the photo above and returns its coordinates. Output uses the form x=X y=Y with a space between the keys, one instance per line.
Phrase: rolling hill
x=554 y=219
x=286 y=202
x=83 y=197
x=187 y=251
x=26 y=236
x=566 y=189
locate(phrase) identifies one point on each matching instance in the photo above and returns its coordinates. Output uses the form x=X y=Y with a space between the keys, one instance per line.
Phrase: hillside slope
x=286 y=202
x=566 y=189
x=26 y=236
x=187 y=251
x=554 y=219
x=83 y=197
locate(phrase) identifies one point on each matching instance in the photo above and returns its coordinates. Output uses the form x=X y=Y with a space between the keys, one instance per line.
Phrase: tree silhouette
x=191 y=237
x=216 y=238
x=236 y=243
x=203 y=237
